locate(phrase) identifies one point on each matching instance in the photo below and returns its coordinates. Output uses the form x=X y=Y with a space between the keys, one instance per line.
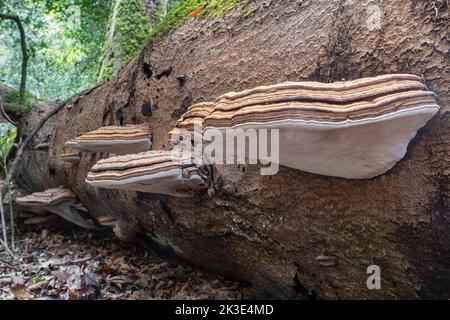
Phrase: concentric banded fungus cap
x=355 y=129
x=115 y=139
x=71 y=157
x=59 y=201
x=160 y=172
x=195 y=114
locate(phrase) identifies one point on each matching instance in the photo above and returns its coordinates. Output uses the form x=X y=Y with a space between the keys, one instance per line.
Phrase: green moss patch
x=132 y=28
x=14 y=97
x=192 y=9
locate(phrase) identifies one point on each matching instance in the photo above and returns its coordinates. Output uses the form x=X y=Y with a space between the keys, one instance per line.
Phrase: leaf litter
x=75 y=264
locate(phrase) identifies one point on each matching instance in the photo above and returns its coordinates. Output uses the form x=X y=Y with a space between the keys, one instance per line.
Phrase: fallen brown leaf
x=20 y=292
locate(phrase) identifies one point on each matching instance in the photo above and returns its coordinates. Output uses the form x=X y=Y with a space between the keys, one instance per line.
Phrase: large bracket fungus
x=160 y=172
x=355 y=129
x=60 y=201
x=115 y=139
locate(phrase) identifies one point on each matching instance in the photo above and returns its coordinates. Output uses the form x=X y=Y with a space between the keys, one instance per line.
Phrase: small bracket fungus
x=160 y=172
x=60 y=201
x=115 y=139
x=355 y=129
x=42 y=147
x=326 y=261
x=72 y=157
x=106 y=221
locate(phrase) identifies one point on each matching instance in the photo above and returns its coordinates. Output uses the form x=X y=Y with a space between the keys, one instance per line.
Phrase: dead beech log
x=268 y=230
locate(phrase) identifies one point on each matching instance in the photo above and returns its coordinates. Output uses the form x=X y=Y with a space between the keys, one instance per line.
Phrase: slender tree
x=23 y=46
x=165 y=7
x=151 y=7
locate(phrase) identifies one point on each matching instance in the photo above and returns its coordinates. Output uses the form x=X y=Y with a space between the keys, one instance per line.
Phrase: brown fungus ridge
x=158 y=172
x=114 y=139
x=195 y=113
x=338 y=101
x=185 y=127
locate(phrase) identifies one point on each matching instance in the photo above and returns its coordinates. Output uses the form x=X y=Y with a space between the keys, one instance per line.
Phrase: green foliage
x=14 y=97
x=176 y=17
x=218 y=8
x=8 y=134
x=63 y=40
x=132 y=28
x=108 y=70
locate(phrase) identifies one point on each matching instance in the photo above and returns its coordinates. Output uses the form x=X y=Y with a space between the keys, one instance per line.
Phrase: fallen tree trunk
x=269 y=230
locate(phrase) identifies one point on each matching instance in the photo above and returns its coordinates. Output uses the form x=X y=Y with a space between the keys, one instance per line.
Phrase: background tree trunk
x=23 y=47
x=151 y=7
x=267 y=230
x=130 y=25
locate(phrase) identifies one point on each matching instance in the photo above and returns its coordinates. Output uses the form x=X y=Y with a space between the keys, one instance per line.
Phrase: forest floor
x=77 y=264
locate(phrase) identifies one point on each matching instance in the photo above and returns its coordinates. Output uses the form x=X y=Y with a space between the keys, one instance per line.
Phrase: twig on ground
x=61 y=263
x=8 y=265
x=7 y=249
x=5 y=114
x=433 y=6
x=3 y=221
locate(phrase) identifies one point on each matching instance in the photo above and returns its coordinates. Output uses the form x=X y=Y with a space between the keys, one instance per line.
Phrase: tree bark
x=268 y=230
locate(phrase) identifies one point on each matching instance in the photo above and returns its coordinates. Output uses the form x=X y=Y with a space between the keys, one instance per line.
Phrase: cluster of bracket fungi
x=350 y=129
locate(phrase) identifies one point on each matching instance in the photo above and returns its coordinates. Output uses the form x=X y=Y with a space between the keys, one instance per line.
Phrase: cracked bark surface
x=268 y=230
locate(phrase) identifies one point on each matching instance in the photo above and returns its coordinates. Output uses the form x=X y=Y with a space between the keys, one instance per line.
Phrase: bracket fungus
x=106 y=221
x=71 y=157
x=37 y=220
x=60 y=201
x=160 y=172
x=185 y=126
x=195 y=114
x=352 y=129
x=42 y=147
x=326 y=261
x=114 y=139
